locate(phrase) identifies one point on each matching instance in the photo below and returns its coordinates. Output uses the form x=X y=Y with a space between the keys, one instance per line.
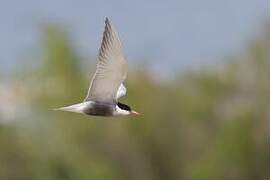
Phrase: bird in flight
x=107 y=85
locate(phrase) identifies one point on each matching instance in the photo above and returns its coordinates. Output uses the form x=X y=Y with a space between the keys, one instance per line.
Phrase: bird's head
x=123 y=109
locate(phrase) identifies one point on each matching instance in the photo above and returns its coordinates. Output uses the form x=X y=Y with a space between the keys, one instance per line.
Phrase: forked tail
x=77 y=108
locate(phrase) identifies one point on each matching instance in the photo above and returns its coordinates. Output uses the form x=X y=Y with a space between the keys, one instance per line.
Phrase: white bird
x=107 y=83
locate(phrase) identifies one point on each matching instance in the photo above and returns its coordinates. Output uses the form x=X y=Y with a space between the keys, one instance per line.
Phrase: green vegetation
x=206 y=125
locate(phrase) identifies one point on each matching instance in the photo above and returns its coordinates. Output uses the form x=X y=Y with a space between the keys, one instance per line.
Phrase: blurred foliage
x=206 y=125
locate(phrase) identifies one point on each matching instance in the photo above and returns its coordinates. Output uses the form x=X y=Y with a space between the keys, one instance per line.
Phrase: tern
x=107 y=85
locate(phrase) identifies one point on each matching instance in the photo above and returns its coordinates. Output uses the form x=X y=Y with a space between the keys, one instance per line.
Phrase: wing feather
x=111 y=68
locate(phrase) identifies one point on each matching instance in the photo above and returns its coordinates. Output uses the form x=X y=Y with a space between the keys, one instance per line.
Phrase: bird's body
x=107 y=83
x=96 y=108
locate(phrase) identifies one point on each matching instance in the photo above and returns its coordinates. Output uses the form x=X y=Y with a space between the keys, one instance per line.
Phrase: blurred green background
x=199 y=74
x=208 y=124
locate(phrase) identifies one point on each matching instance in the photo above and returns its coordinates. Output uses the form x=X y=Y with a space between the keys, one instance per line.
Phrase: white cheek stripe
x=120 y=112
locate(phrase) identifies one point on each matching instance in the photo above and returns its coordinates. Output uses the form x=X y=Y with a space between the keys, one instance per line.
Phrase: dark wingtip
x=108 y=24
x=107 y=21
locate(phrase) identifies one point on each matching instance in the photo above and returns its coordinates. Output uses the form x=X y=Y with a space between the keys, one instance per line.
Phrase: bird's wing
x=122 y=90
x=111 y=68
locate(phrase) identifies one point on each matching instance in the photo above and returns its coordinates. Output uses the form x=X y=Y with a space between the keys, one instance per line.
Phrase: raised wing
x=111 y=68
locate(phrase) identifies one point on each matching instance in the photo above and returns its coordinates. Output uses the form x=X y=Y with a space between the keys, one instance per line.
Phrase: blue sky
x=166 y=35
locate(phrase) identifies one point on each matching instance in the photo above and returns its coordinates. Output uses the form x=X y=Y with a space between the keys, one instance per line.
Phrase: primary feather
x=111 y=68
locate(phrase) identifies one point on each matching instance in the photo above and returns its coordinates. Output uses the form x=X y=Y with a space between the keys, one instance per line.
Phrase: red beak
x=135 y=113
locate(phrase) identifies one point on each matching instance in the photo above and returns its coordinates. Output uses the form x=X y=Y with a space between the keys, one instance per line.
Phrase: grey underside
x=100 y=109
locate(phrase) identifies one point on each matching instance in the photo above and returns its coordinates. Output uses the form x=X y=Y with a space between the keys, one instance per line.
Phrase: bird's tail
x=78 y=108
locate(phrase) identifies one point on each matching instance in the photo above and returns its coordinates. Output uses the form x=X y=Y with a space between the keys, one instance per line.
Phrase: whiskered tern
x=107 y=85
